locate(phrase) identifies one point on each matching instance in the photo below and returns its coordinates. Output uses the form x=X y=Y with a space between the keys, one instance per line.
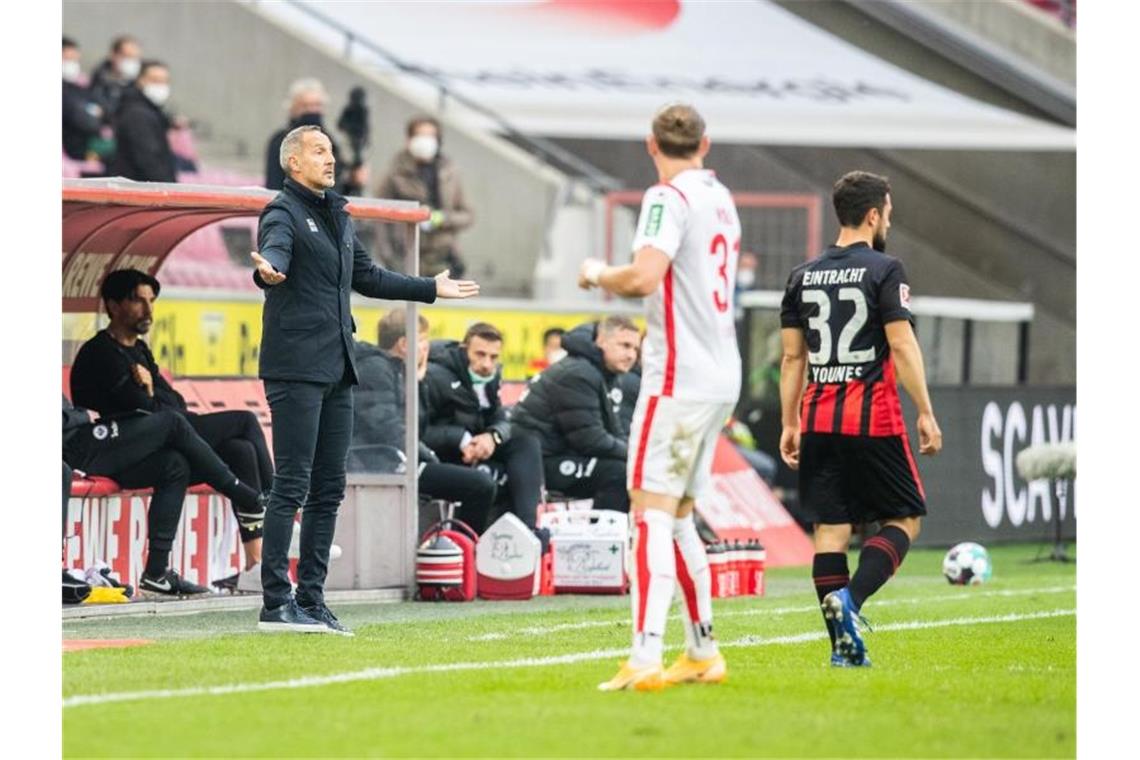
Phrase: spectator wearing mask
x=421 y=173
x=378 y=426
x=82 y=115
x=307 y=102
x=574 y=408
x=115 y=373
x=159 y=451
x=116 y=73
x=142 y=146
x=467 y=423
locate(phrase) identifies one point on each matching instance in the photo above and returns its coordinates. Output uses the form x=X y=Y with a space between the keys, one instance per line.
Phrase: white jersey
x=690 y=350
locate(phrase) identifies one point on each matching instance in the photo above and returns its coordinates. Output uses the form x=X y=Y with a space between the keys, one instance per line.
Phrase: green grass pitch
x=986 y=671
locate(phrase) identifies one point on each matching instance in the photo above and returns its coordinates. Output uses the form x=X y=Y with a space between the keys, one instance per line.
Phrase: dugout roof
x=115 y=223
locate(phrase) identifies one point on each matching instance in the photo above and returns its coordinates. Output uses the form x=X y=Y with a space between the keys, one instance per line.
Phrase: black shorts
x=855 y=479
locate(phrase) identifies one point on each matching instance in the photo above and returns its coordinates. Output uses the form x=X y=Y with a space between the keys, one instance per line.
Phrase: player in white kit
x=684 y=263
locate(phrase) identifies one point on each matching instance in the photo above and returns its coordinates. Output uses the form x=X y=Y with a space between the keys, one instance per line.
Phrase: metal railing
x=540 y=147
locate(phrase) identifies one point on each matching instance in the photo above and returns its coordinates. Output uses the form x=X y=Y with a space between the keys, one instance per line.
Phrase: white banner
x=758 y=74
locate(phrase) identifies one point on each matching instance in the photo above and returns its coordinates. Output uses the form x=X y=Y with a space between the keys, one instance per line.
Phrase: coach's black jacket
x=574 y=406
x=378 y=412
x=453 y=407
x=306 y=326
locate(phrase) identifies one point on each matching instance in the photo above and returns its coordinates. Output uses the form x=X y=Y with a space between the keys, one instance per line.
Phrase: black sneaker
x=290 y=618
x=170 y=583
x=324 y=614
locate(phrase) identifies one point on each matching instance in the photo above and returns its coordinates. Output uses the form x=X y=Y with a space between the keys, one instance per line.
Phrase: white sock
x=696 y=587
x=653 y=575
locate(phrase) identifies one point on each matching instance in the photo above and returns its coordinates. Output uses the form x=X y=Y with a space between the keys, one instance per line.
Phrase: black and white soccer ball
x=967 y=564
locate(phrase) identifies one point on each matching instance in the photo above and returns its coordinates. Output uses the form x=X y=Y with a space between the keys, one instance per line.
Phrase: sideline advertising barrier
x=973 y=490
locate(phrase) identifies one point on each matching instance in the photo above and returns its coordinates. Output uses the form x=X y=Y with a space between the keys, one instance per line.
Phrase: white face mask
x=746 y=278
x=129 y=68
x=157 y=93
x=423 y=147
x=70 y=70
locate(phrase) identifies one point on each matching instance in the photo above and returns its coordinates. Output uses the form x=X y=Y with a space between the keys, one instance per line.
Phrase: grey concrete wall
x=230 y=71
x=1037 y=37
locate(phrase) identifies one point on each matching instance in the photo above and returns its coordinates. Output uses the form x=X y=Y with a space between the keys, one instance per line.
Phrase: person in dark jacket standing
x=116 y=72
x=378 y=427
x=467 y=423
x=142 y=149
x=309 y=259
x=82 y=114
x=574 y=407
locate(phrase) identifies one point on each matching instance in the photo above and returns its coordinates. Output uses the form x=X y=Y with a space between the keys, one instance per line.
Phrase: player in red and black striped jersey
x=848 y=332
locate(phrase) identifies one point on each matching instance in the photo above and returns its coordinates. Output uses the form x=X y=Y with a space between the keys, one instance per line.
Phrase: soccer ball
x=967 y=564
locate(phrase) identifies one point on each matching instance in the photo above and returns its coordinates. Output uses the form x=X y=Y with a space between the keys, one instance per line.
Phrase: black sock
x=829 y=572
x=881 y=556
x=157 y=561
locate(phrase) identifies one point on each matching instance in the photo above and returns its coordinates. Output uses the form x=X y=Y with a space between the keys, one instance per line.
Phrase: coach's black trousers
x=158 y=451
x=312 y=428
x=237 y=438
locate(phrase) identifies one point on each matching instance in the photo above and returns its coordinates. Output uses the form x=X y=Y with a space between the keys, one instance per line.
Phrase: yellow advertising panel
x=221 y=338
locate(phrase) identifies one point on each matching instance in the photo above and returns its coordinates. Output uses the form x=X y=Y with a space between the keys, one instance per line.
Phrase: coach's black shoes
x=324 y=614
x=170 y=583
x=289 y=618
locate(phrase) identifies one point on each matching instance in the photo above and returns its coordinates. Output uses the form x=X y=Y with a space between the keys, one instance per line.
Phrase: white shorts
x=672 y=443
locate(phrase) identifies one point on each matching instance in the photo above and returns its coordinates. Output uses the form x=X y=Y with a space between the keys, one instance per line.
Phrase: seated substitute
x=114 y=373
x=378 y=423
x=574 y=408
x=467 y=423
x=159 y=451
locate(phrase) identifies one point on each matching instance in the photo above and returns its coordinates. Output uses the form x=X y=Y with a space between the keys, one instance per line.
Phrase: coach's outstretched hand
x=445 y=287
x=269 y=275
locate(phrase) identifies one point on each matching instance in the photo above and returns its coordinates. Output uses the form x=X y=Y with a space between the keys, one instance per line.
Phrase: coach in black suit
x=309 y=260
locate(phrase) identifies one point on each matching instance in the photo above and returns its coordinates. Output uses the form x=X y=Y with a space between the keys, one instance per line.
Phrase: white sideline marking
x=532 y=631
x=377 y=674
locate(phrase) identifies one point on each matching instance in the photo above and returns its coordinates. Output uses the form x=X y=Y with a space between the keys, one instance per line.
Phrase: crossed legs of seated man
x=159 y=451
x=237 y=438
x=474 y=489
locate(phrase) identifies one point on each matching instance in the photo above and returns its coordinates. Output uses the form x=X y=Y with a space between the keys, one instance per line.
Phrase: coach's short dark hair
x=391 y=328
x=678 y=129
x=483 y=330
x=416 y=121
x=122 y=283
x=856 y=193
